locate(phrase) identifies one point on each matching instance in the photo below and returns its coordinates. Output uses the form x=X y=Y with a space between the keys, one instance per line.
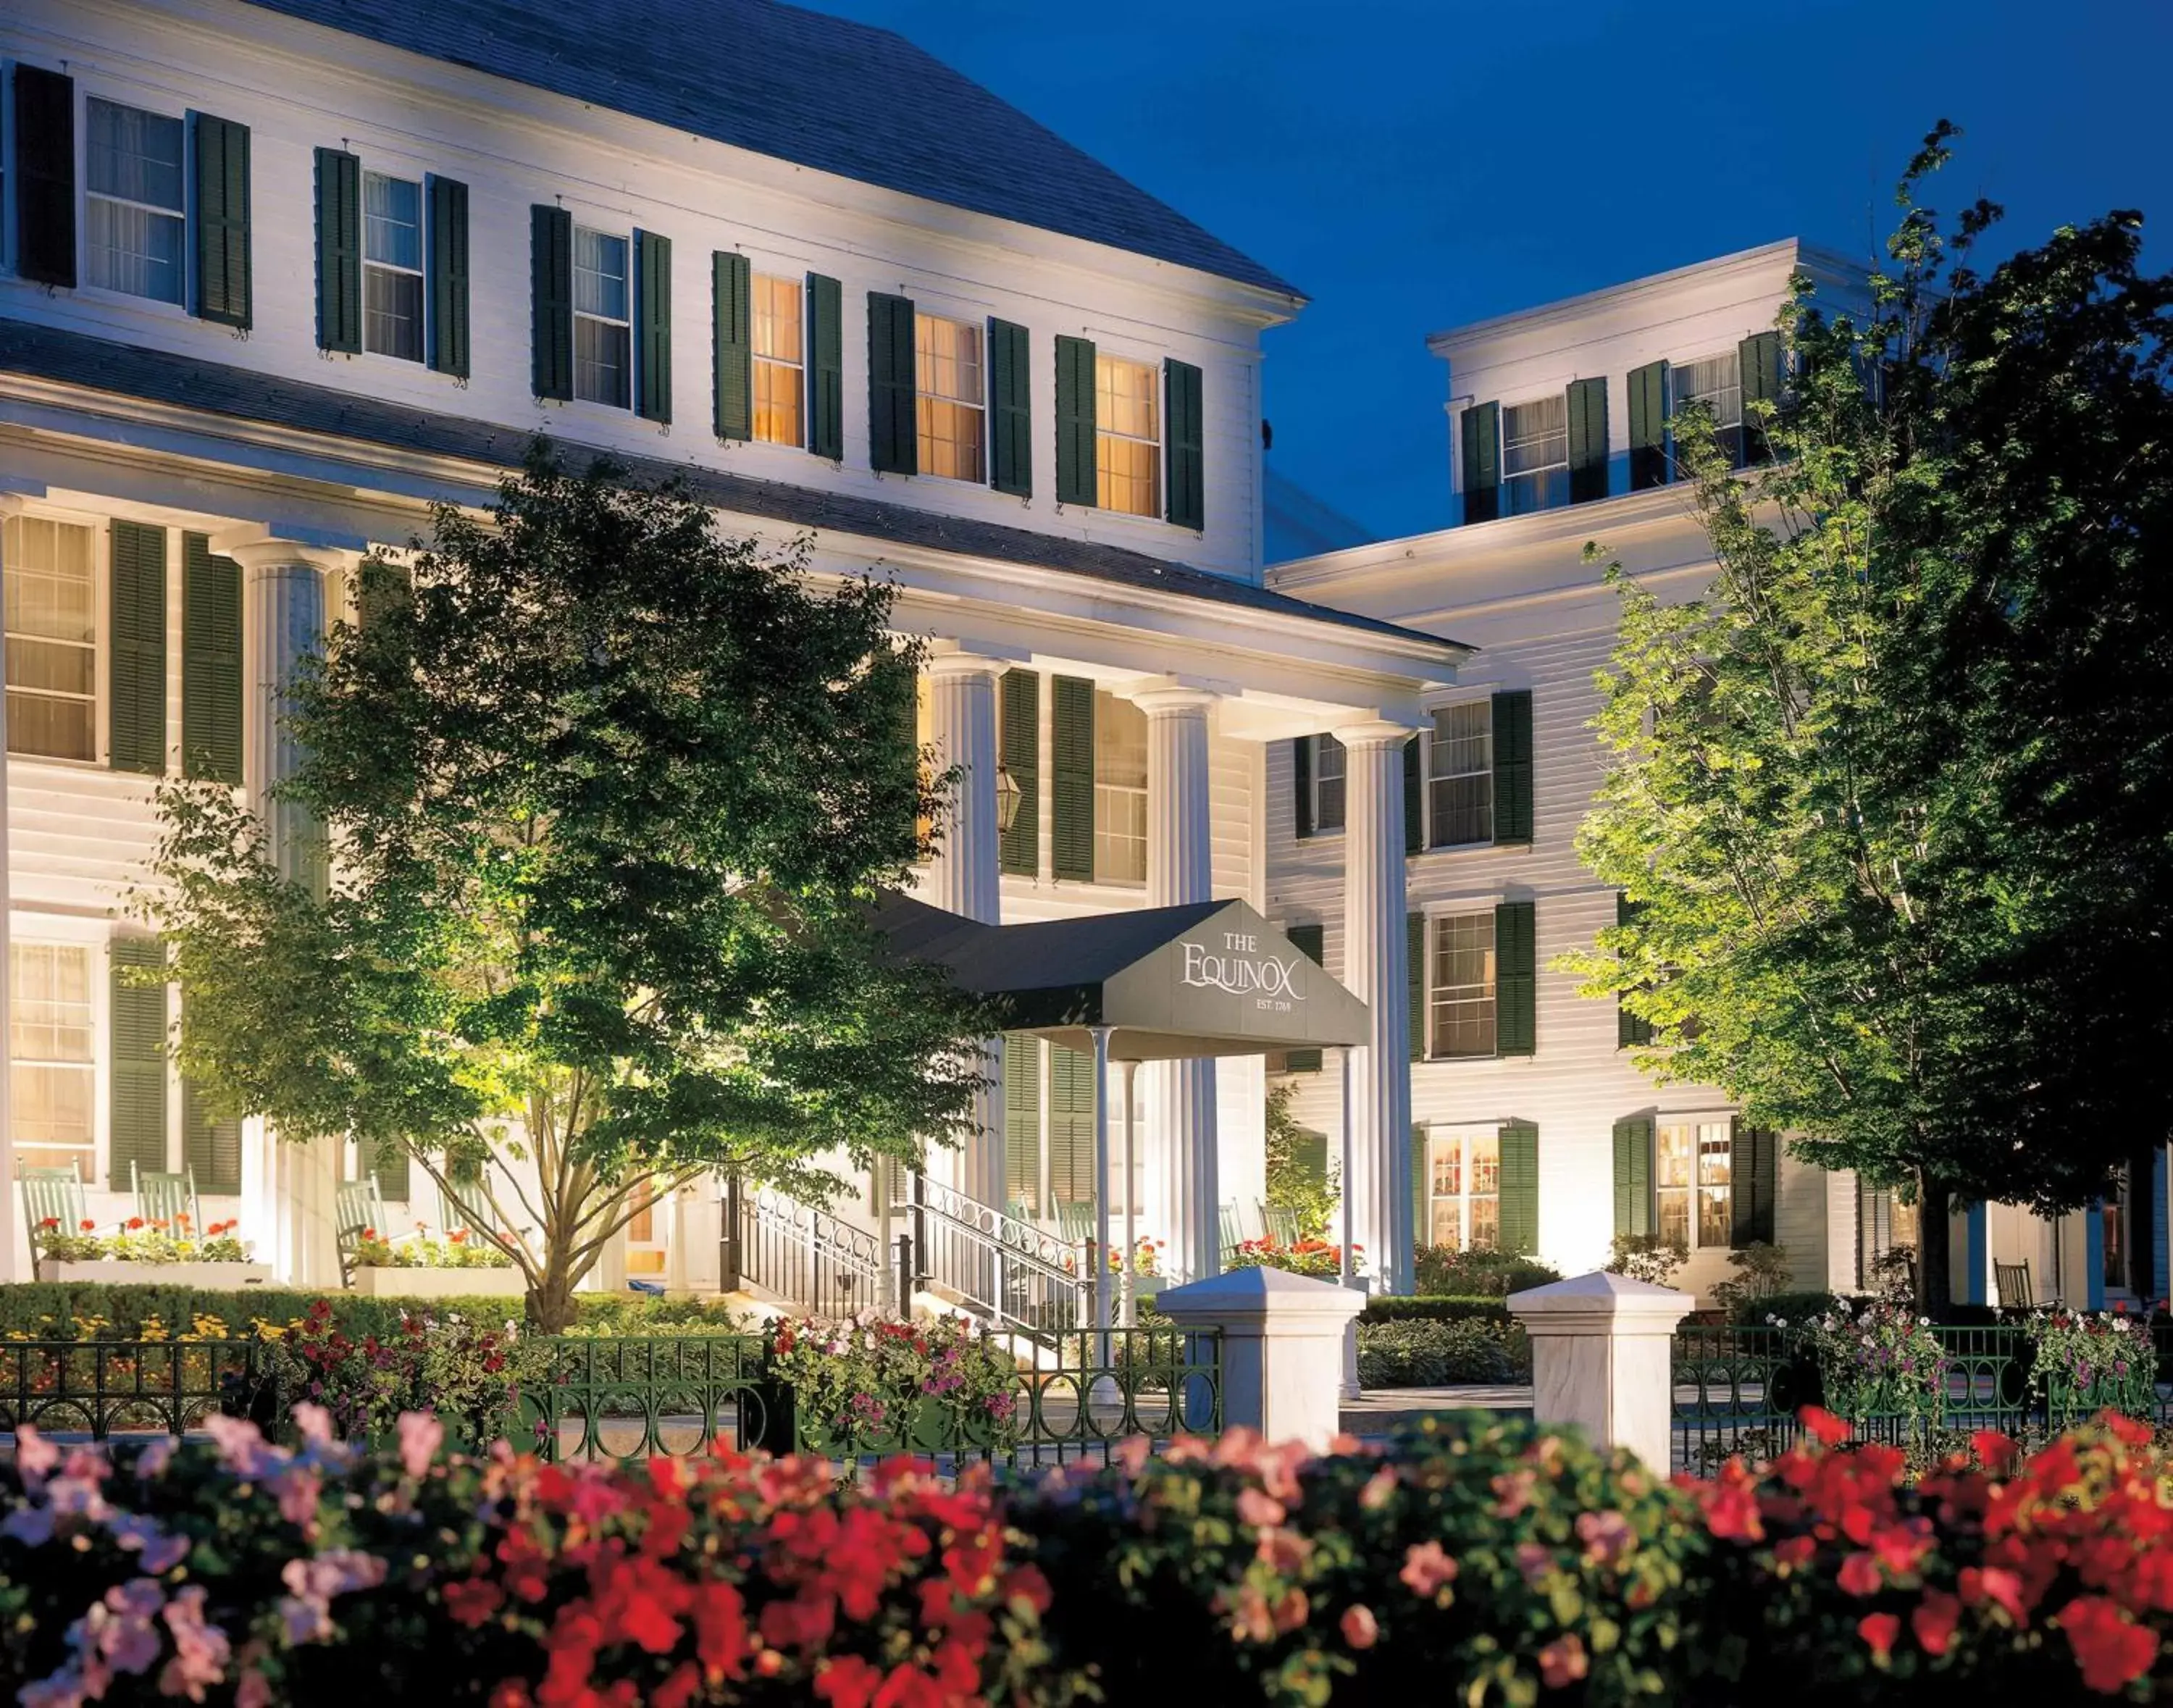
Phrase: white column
x=1601 y=1360
x=288 y=1190
x=1375 y=967
x=1283 y=1339
x=14 y=1239
x=964 y=879
x=1184 y=1159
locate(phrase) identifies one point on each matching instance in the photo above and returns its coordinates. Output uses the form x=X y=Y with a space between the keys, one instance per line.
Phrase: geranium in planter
x=2088 y=1362
x=460 y=1264
x=1884 y=1363
x=873 y=1383
x=217 y=1257
x=1315 y=1258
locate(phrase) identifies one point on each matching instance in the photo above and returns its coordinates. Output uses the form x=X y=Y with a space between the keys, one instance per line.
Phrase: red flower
x=847 y=1681
x=1935 y=1619
x=1360 y=1628
x=2112 y=1652
x=472 y=1600
x=88 y=1226
x=1563 y=1661
x=135 y=1222
x=1995 y=1452
x=1824 y=1427
x=1426 y=1570
x=1994 y=1584
x=1859 y=1575
x=1880 y=1630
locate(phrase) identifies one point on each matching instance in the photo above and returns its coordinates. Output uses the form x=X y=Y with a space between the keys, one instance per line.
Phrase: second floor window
x=1460 y=775
x=1120 y=791
x=952 y=398
x=1328 y=784
x=52 y=638
x=1715 y=382
x=780 y=352
x=1692 y=1176
x=52 y=1075
x=602 y=331
x=1534 y=455
x=1463 y=984
x=1127 y=436
x=135 y=215
x=392 y=266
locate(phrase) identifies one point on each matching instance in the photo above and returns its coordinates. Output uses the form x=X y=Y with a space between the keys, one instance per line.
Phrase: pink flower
x=34 y=1456
x=315 y=1422
x=1360 y=1628
x=298 y=1489
x=155 y=1459
x=200 y=1650
x=1426 y=1570
x=254 y=1691
x=1606 y=1536
x=1563 y=1661
x=1261 y=1512
x=1380 y=1488
x=421 y=1435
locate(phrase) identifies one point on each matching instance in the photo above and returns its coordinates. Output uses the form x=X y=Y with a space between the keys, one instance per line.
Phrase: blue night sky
x=1413 y=164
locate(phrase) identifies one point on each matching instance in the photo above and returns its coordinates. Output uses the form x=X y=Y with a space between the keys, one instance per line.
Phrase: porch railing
x=797 y=1253
x=1011 y=1273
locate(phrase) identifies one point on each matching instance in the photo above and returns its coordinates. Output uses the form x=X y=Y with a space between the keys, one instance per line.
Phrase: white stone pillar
x=1601 y=1361
x=964 y=879
x=1283 y=1336
x=1376 y=968
x=288 y=1190
x=1186 y=1166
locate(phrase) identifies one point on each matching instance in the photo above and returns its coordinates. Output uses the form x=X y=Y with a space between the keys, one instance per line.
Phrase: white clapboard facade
x=275 y=276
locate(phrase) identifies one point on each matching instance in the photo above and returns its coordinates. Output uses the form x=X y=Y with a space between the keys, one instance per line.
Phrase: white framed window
x=1329 y=783
x=1120 y=791
x=951 y=397
x=780 y=356
x=603 y=331
x=1463 y=1189
x=1693 y=1169
x=1717 y=382
x=52 y=1073
x=51 y=638
x=1535 y=455
x=1461 y=984
x=392 y=266
x=1127 y=436
x=1460 y=775
x=134 y=208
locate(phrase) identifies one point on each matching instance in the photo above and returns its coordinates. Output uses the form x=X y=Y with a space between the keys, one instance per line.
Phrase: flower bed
x=1501 y=1563
x=457 y=1250
x=876 y=1384
x=1316 y=1257
x=136 y=1240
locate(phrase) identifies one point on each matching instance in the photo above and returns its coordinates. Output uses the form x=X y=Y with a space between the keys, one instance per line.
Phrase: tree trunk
x=1934 y=1249
x=551 y=1308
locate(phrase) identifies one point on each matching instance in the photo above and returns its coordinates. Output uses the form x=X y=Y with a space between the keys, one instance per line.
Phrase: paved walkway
x=1379 y=1410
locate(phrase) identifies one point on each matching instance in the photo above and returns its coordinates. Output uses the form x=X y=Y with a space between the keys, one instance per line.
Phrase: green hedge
x=1422 y=1354
x=1438 y=1308
x=33 y=1309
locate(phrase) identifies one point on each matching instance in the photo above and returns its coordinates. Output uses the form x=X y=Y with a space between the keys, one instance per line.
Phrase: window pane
x=1127 y=442
x=1124 y=401
x=949 y=440
x=1672 y=1158
x=1715 y=382
x=392 y=313
x=1120 y=791
x=392 y=221
x=600 y=362
x=776 y=319
x=132 y=155
x=1534 y=435
x=1328 y=787
x=1715 y=1224
x=599 y=274
x=1460 y=772
x=1464 y=985
x=132 y=249
x=51 y=654
x=51 y=1081
x=775 y=326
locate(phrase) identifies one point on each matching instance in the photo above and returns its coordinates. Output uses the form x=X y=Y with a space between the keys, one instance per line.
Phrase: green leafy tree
x=1890 y=801
x=1311 y=1193
x=609 y=794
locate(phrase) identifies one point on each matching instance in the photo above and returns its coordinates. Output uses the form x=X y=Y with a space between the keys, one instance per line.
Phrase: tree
x=610 y=794
x=1890 y=801
x=1296 y=1184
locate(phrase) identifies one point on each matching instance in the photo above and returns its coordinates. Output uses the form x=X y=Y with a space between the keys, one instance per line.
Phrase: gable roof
x=825 y=92
x=190 y=382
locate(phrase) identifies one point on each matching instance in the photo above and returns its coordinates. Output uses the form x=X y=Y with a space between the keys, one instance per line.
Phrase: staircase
x=1009 y=1274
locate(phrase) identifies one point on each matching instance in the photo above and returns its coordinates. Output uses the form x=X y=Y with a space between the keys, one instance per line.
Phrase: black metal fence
x=794 y=1251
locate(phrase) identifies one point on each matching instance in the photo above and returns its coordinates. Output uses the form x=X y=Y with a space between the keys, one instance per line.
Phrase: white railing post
x=1282 y=1348
x=1602 y=1360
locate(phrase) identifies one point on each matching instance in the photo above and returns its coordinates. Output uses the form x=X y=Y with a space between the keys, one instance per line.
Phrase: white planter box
x=205 y=1278
x=387 y=1283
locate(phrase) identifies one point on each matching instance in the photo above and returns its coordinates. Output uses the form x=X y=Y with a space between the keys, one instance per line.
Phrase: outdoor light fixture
x=1007 y=797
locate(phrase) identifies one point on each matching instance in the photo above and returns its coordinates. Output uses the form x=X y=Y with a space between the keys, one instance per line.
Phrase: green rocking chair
x=51 y=1195
x=171 y=1199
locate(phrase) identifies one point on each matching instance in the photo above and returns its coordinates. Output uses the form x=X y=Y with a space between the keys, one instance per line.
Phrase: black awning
x=1210 y=978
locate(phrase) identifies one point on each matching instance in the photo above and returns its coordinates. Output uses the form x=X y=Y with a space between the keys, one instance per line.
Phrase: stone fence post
x=1602 y=1358
x=1282 y=1348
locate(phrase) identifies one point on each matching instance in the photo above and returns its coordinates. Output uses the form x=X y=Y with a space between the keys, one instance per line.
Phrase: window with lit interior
x=951 y=397
x=780 y=355
x=53 y=637
x=1127 y=436
x=1462 y=1003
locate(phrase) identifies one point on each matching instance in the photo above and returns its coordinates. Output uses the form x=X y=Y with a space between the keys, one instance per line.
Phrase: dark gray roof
x=190 y=382
x=824 y=92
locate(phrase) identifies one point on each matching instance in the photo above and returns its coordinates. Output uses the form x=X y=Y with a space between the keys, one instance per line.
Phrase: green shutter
x=1022 y=1120
x=1302 y=786
x=44 y=176
x=1649 y=426
x=1519 y=1208
x=382 y=588
x=1516 y=980
x=1422 y=1188
x=1512 y=766
x=1758 y=359
x=1310 y=941
x=211 y=1145
x=1184 y=432
x=388 y=1160
x=1635 y=1215
x=731 y=288
x=222 y=220
x=1071 y=1126
x=1413 y=796
x=1482 y=462
x=1414 y=943
x=139 y=1073
x=1308 y=1155
x=1588 y=440
x=211 y=663
x=1630 y=1032
x=1076 y=481
x=652 y=328
x=551 y=301
x=1019 y=743
x=339 y=251
x=1011 y=409
x=893 y=435
x=137 y=708
x=1754 y=1170
x=1072 y=785
x=448 y=276
x=826 y=367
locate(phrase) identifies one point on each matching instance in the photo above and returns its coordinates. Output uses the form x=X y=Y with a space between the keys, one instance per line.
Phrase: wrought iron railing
x=626 y=1399
x=797 y=1253
x=106 y=1388
x=1010 y=1272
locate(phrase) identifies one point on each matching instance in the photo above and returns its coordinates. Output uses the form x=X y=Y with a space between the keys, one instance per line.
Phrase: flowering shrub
x=457 y=1250
x=1646 y=1257
x=1456 y=1272
x=1315 y=1258
x=140 y=1241
x=1884 y=1361
x=468 y=1372
x=2087 y=1361
x=871 y=1381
